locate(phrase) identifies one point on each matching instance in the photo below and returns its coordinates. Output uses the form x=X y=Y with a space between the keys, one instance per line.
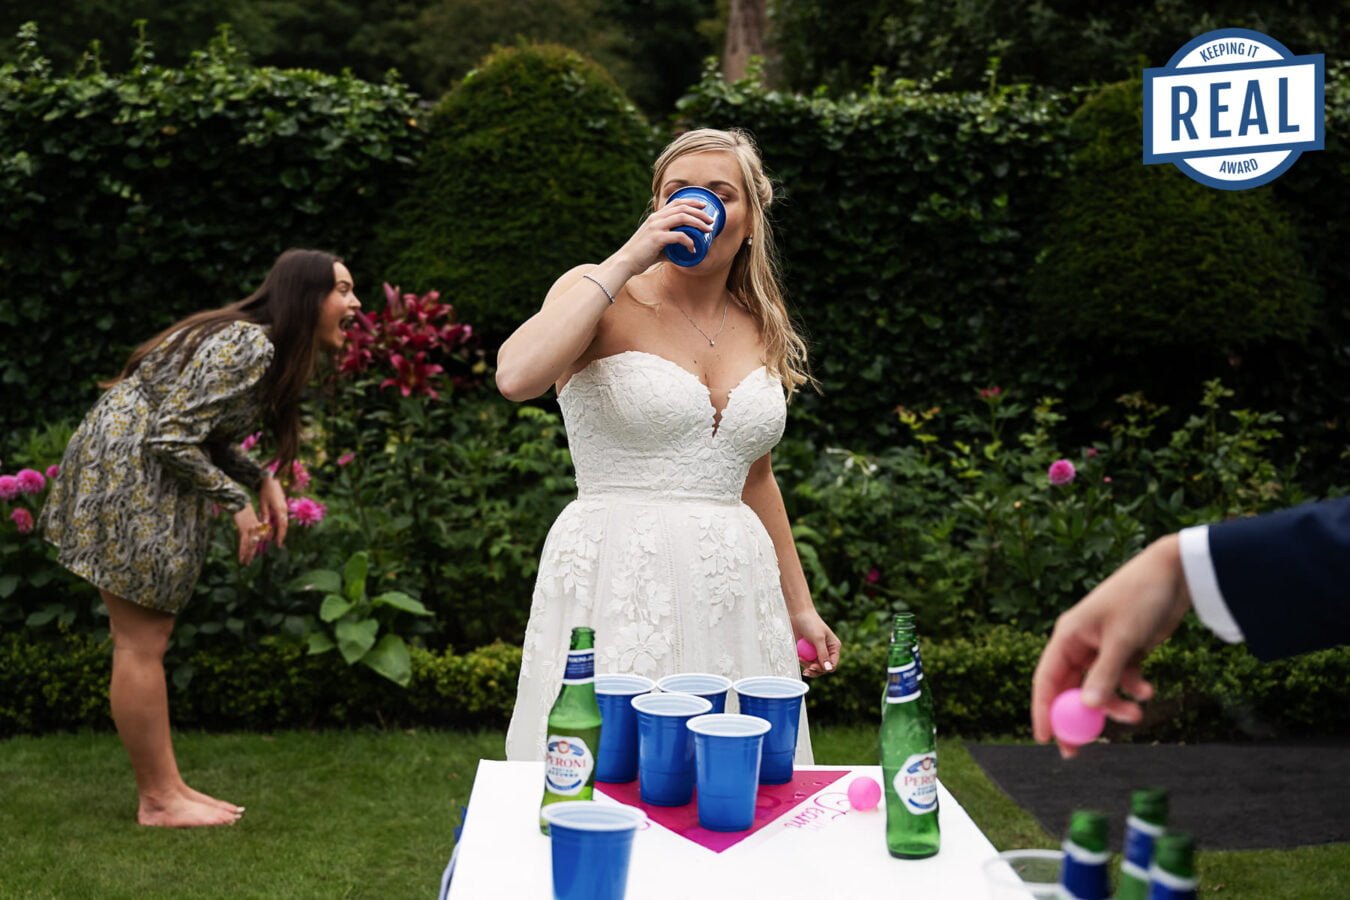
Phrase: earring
x=750 y=241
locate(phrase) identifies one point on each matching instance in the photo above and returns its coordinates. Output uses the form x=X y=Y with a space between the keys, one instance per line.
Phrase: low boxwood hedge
x=1206 y=691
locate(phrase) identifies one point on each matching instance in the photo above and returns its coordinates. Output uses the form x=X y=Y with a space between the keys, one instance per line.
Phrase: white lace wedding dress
x=658 y=554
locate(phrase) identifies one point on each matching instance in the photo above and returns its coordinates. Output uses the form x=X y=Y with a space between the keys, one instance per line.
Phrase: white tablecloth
x=819 y=850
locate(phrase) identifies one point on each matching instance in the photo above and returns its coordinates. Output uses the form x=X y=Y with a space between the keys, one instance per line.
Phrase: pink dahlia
x=30 y=481
x=305 y=511
x=346 y=459
x=22 y=518
x=53 y=471
x=9 y=487
x=1061 y=472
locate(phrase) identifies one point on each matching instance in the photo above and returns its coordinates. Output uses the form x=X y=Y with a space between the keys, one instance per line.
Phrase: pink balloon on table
x=864 y=793
x=1074 y=723
x=806 y=651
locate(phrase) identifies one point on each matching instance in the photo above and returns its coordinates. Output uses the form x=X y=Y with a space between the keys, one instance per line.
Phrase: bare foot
x=182 y=812
x=199 y=797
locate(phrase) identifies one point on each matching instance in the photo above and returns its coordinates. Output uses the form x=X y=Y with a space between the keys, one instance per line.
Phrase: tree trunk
x=745 y=37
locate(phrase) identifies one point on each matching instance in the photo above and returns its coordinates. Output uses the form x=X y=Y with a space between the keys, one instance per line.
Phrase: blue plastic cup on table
x=683 y=256
x=666 y=747
x=591 y=844
x=777 y=700
x=617 y=761
x=727 y=756
x=712 y=688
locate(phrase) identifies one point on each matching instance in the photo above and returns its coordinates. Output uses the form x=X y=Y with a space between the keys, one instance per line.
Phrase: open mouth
x=347 y=322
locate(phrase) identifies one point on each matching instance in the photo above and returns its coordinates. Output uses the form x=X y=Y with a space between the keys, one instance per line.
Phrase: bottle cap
x=1174 y=852
x=1150 y=804
x=1087 y=829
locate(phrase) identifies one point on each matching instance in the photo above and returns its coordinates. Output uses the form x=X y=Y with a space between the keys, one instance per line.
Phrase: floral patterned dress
x=658 y=554
x=131 y=511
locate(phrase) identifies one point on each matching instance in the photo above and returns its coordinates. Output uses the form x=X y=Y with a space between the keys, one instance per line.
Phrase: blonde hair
x=754 y=277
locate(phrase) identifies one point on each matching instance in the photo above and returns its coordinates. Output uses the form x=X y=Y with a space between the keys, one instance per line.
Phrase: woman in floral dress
x=131 y=511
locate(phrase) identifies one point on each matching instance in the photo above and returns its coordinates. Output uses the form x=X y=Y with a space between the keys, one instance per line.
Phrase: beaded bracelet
x=597 y=283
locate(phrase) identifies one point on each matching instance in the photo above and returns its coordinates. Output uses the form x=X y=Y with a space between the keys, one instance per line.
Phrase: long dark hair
x=288 y=302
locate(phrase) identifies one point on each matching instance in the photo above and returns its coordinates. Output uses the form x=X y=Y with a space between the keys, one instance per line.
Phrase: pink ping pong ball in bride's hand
x=864 y=793
x=806 y=651
x=1074 y=723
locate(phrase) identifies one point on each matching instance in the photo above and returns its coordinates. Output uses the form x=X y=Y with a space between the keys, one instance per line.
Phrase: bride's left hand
x=811 y=626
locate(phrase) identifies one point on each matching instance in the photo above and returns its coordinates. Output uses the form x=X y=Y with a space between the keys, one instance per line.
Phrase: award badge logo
x=1233 y=109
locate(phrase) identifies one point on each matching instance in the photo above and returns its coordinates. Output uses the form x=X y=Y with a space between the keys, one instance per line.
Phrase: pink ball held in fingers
x=1074 y=723
x=806 y=650
x=864 y=793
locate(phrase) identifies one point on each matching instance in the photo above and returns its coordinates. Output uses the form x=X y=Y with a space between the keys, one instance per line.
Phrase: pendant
x=712 y=343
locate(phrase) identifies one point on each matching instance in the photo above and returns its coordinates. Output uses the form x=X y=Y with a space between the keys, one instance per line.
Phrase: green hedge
x=535 y=163
x=981 y=684
x=1143 y=264
x=907 y=219
x=133 y=199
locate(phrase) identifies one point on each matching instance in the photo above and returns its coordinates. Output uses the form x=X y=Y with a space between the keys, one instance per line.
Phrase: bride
x=671 y=380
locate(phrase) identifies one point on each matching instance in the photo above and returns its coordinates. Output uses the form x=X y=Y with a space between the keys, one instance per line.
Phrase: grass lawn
x=372 y=814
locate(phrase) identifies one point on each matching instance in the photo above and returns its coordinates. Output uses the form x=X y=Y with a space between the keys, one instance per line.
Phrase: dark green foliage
x=663 y=44
x=133 y=199
x=1063 y=43
x=534 y=164
x=1310 y=378
x=906 y=220
x=981 y=685
x=1148 y=275
x=1142 y=258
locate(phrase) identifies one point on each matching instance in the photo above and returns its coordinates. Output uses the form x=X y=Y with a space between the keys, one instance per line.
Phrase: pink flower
x=250 y=442
x=1106 y=479
x=300 y=474
x=306 y=511
x=22 y=518
x=30 y=481
x=346 y=459
x=1091 y=453
x=991 y=392
x=9 y=487
x=873 y=575
x=53 y=471
x=1061 y=472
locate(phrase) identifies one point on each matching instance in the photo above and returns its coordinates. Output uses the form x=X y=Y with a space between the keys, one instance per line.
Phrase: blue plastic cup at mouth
x=712 y=688
x=779 y=701
x=727 y=752
x=617 y=760
x=591 y=844
x=666 y=747
x=683 y=256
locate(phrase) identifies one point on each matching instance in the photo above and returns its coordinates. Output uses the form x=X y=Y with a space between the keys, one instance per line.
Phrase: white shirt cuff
x=1204 y=585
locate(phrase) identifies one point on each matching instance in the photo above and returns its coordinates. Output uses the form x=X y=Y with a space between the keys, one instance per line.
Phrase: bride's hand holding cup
x=661 y=230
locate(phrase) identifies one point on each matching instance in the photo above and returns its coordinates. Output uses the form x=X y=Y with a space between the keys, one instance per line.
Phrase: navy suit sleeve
x=1285 y=577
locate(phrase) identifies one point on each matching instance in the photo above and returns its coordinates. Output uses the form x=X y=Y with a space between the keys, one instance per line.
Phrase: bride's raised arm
x=540 y=352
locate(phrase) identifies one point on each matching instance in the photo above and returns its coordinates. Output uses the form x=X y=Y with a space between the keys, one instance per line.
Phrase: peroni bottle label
x=580 y=667
x=902 y=683
x=916 y=783
x=568 y=764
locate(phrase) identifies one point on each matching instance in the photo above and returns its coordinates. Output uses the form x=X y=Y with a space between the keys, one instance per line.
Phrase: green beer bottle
x=908 y=758
x=573 y=728
x=1172 y=875
x=1148 y=818
x=905 y=620
x=1086 y=857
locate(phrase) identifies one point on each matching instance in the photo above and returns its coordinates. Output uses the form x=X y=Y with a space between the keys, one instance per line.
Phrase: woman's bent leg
x=140 y=708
